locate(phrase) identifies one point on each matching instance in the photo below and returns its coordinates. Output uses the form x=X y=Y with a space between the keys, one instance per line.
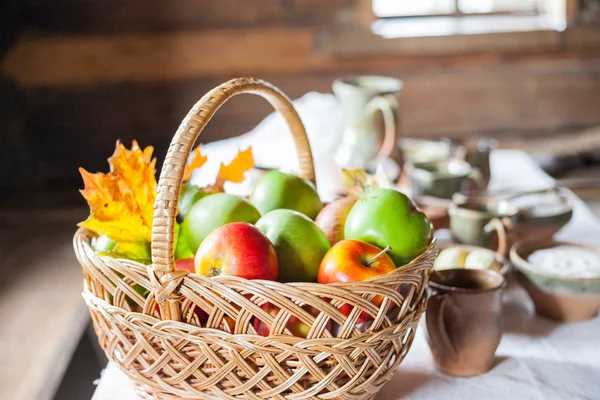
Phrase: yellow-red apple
x=237 y=249
x=332 y=218
x=353 y=261
x=294 y=325
x=185 y=264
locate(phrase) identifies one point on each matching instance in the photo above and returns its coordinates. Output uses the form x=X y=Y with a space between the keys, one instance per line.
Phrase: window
x=403 y=18
x=400 y=8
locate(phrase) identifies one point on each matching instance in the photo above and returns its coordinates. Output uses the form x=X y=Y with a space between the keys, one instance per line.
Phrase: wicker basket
x=174 y=358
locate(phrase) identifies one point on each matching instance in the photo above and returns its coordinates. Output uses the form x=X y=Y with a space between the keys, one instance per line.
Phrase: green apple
x=275 y=190
x=213 y=211
x=182 y=250
x=189 y=195
x=299 y=242
x=386 y=217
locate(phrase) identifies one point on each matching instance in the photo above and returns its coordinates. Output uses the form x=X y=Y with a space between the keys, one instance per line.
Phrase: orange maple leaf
x=198 y=160
x=122 y=201
x=234 y=172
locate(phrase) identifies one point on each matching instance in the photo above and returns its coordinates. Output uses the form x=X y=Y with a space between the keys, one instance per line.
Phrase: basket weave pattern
x=158 y=342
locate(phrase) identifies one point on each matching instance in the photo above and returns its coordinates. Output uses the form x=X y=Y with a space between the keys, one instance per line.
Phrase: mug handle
x=437 y=329
x=503 y=227
x=388 y=105
x=476 y=177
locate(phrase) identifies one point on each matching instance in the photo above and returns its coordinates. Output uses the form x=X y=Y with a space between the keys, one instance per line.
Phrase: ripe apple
x=294 y=325
x=385 y=217
x=275 y=190
x=354 y=261
x=332 y=218
x=213 y=211
x=237 y=249
x=189 y=195
x=185 y=264
x=300 y=244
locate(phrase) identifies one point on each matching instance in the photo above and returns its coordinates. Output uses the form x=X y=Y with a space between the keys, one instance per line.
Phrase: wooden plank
x=42 y=313
x=156 y=57
x=583 y=38
x=319 y=12
x=94 y=60
x=115 y=16
x=351 y=43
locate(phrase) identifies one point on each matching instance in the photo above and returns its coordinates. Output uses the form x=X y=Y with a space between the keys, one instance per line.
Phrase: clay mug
x=464 y=319
x=441 y=179
x=478 y=155
x=474 y=222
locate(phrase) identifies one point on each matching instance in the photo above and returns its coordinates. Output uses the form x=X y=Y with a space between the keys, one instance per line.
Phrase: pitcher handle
x=388 y=105
x=502 y=227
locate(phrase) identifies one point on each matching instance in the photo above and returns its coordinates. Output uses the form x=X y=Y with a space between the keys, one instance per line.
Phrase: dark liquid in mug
x=465 y=280
x=481 y=208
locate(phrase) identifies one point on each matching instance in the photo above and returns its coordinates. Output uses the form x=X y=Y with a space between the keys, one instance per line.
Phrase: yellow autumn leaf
x=234 y=172
x=198 y=160
x=358 y=181
x=122 y=201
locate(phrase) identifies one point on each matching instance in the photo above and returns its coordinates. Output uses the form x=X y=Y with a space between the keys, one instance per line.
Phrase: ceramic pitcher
x=361 y=97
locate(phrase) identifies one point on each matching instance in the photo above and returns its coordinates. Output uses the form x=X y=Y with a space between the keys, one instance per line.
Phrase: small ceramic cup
x=464 y=319
x=473 y=222
x=442 y=179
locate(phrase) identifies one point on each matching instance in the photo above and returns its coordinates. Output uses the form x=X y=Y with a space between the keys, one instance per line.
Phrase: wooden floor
x=42 y=315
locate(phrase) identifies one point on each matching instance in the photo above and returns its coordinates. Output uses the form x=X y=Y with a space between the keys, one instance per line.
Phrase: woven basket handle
x=171 y=175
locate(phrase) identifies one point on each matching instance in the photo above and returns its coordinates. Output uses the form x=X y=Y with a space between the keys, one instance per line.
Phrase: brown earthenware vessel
x=464 y=319
x=561 y=298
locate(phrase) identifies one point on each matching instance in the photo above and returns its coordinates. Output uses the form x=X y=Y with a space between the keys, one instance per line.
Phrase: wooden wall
x=78 y=75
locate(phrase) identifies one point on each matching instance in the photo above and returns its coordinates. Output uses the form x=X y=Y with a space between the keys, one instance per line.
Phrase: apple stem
x=382 y=252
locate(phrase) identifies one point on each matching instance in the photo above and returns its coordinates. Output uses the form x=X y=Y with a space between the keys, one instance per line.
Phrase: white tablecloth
x=537 y=358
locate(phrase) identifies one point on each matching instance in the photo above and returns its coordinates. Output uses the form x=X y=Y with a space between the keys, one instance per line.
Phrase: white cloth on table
x=273 y=146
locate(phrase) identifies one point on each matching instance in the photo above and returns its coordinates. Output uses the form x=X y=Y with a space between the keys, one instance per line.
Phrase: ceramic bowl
x=542 y=215
x=503 y=266
x=425 y=150
x=441 y=179
x=556 y=297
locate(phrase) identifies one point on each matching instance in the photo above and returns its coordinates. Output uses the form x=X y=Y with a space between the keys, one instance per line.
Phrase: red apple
x=294 y=325
x=351 y=260
x=185 y=264
x=237 y=249
x=332 y=218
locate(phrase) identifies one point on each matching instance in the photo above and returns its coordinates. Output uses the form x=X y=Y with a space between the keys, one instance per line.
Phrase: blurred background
x=77 y=75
